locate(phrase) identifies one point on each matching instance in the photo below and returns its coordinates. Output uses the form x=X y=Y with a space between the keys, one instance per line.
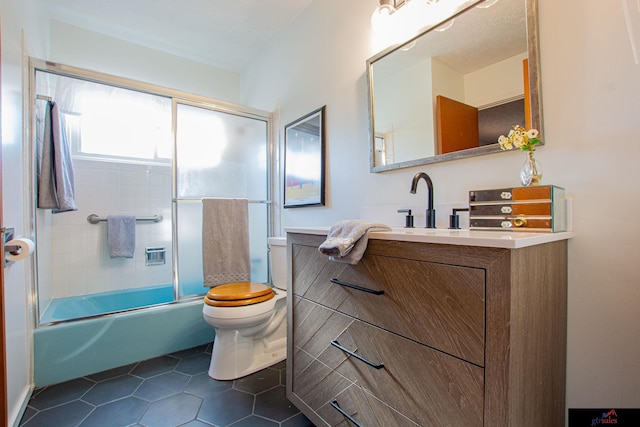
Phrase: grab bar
x=94 y=219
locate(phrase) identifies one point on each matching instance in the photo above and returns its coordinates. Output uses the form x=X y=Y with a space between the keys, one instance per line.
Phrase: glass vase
x=531 y=172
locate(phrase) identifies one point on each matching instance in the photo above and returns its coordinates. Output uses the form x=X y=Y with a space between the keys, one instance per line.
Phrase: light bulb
x=487 y=4
x=380 y=19
x=445 y=26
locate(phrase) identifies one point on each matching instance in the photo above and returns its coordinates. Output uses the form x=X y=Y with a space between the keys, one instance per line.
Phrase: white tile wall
x=72 y=253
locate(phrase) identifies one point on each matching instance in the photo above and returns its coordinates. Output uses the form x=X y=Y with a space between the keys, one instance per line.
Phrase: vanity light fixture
x=487 y=4
x=380 y=16
x=446 y=25
x=408 y=46
x=409 y=16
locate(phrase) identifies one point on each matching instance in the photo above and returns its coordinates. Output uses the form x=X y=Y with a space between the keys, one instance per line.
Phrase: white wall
x=16 y=16
x=591 y=99
x=402 y=122
x=71 y=45
x=495 y=83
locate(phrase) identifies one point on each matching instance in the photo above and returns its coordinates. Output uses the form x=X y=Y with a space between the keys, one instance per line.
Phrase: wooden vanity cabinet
x=428 y=334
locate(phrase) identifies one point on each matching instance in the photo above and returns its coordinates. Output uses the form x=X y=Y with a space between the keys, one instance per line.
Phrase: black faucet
x=431 y=213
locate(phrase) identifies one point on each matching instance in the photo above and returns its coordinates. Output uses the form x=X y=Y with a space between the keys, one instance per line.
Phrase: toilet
x=250 y=321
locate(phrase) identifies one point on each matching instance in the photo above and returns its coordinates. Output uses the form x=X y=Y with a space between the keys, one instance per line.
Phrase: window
x=110 y=122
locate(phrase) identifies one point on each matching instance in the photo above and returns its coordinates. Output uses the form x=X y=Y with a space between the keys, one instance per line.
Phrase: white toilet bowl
x=251 y=337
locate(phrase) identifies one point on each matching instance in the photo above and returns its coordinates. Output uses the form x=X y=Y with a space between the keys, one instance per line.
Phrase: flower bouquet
x=525 y=140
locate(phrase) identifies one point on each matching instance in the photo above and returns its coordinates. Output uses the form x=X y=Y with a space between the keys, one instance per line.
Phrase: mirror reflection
x=452 y=91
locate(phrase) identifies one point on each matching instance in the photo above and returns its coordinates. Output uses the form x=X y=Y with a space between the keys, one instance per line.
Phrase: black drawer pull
x=351 y=353
x=337 y=407
x=359 y=288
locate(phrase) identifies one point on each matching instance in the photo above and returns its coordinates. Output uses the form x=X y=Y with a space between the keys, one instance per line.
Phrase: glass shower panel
x=219 y=154
x=119 y=141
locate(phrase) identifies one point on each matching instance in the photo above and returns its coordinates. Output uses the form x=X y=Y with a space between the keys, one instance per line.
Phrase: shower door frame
x=174 y=197
x=176 y=97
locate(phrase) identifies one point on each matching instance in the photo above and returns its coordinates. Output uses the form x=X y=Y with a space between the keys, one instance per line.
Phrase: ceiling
x=222 y=33
x=477 y=38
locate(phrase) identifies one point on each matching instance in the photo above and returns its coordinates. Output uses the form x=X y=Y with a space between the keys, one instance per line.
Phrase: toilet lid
x=238 y=294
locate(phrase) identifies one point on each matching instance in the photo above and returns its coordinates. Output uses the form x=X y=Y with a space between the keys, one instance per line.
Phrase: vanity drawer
x=522 y=223
x=539 y=209
x=362 y=408
x=511 y=209
x=424 y=385
x=541 y=193
x=442 y=306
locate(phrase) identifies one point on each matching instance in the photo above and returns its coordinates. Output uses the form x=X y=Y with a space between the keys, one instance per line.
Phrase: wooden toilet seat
x=238 y=294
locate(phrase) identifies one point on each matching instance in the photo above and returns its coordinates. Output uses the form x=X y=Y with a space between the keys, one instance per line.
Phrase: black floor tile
x=226 y=407
x=194 y=364
x=69 y=414
x=254 y=421
x=273 y=404
x=204 y=386
x=151 y=367
x=192 y=351
x=112 y=389
x=259 y=381
x=123 y=412
x=196 y=423
x=168 y=391
x=298 y=420
x=161 y=386
x=28 y=414
x=111 y=373
x=57 y=394
x=172 y=411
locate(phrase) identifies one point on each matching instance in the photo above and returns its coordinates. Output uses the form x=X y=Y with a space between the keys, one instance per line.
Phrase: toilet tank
x=278 y=259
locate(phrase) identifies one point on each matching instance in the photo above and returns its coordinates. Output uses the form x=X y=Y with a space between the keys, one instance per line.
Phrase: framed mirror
x=450 y=92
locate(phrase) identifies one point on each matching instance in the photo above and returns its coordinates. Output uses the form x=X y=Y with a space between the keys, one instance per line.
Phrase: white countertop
x=492 y=239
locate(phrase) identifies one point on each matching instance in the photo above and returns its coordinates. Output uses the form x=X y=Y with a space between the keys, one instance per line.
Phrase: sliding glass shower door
x=123 y=139
x=219 y=154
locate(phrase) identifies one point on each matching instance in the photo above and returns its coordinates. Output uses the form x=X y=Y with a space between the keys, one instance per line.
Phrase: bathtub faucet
x=431 y=213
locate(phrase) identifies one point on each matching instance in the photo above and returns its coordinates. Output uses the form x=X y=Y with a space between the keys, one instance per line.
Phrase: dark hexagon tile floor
x=167 y=391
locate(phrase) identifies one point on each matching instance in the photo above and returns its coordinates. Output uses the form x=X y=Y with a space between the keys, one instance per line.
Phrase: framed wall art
x=304 y=147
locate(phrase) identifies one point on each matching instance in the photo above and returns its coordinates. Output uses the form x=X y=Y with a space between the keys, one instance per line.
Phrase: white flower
x=518 y=140
x=505 y=143
x=519 y=137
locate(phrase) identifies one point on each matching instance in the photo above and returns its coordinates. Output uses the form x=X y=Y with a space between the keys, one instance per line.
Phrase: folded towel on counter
x=225 y=241
x=347 y=240
x=121 y=235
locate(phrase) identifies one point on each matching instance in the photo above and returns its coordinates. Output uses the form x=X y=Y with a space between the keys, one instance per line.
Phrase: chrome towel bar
x=94 y=219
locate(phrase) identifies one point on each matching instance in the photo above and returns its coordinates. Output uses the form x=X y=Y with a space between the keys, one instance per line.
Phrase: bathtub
x=61 y=309
x=68 y=350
